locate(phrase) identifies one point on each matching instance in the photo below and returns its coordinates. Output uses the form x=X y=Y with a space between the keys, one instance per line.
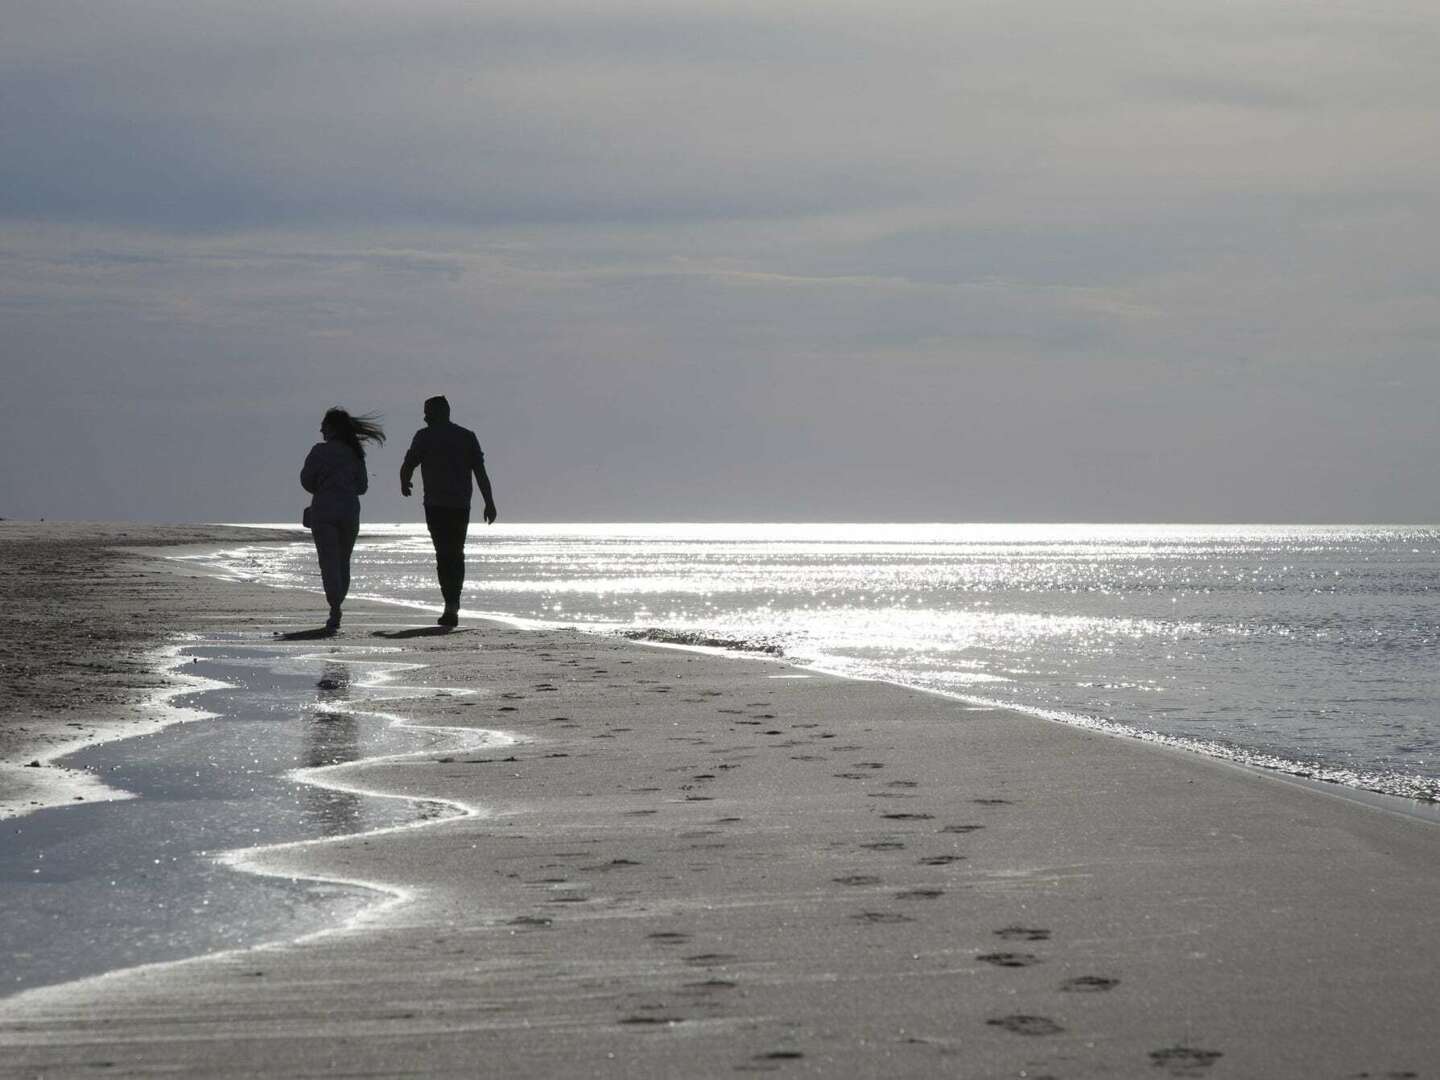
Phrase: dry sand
x=695 y=865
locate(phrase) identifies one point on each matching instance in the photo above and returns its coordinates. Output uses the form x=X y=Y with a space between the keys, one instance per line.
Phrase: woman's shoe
x=451 y=617
x=333 y=623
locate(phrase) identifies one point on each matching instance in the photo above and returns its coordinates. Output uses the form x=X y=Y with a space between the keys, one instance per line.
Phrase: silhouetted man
x=448 y=456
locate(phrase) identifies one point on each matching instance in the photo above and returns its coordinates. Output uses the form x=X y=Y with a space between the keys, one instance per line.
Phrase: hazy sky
x=962 y=260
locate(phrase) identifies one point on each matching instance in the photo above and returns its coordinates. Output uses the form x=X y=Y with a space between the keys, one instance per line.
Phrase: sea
x=1310 y=650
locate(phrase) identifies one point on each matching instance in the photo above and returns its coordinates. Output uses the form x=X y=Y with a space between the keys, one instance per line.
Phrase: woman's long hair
x=354 y=431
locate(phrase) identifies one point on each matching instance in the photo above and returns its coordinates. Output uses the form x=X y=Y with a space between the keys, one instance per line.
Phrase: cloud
x=265 y=114
x=739 y=259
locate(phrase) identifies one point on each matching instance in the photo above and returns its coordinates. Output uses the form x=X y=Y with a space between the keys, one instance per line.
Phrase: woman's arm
x=310 y=471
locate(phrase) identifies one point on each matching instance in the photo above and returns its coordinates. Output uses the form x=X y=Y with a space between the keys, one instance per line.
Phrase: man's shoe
x=451 y=617
x=333 y=623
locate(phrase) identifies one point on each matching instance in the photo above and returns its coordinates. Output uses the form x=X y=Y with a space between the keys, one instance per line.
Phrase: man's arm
x=407 y=467
x=482 y=481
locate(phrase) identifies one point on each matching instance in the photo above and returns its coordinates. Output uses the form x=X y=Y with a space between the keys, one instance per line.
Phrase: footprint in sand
x=668 y=937
x=712 y=959
x=1089 y=984
x=709 y=985
x=1022 y=933
x=884 y=845
x=961 y=828
x=1021 y=1024
x=941 y=860
x=1009 y=959
x=857 y=879
x=1184 y=1060
x=530 y=920
x=920 y=894
x=992 y=802
x=908 y=817
x=882 y=917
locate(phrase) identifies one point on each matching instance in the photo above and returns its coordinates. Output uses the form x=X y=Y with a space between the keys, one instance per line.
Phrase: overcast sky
x=969 y=260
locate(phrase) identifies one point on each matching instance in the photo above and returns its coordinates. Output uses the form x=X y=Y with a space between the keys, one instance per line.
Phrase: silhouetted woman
x=334 y=474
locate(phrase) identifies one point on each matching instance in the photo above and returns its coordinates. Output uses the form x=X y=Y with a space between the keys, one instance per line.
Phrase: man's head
x=436 y=409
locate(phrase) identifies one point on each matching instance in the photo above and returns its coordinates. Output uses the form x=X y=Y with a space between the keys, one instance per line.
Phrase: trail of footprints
x=1025 y=1024
x=1017 y=941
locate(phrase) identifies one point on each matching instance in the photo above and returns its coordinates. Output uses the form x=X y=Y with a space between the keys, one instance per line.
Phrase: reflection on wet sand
x=332 y=737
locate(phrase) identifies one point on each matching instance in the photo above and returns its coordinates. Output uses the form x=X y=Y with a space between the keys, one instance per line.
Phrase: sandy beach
x=694 y=865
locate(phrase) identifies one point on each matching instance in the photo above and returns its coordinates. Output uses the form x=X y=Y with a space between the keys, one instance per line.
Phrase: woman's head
x=353 y=431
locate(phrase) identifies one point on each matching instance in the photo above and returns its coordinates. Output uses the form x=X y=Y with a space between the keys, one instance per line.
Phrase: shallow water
x=1309 y=649
x=94 y=887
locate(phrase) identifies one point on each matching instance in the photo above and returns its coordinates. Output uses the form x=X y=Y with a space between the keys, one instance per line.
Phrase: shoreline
x=1411 y=791
x=1297 y=771
x=90 y=617
x=676 y=880
x=26 y=788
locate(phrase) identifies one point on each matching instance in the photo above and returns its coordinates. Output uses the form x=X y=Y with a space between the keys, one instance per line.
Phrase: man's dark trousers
x=448 y=526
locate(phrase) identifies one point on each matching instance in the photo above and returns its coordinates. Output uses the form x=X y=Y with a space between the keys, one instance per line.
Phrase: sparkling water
x=1310 y=649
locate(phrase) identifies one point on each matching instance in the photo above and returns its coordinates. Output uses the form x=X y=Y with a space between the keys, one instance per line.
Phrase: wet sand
x=86 y=608
x=694 y=865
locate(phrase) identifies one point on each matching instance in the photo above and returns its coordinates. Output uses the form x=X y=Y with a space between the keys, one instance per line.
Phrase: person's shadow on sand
x=415 y=631
x=306 y=635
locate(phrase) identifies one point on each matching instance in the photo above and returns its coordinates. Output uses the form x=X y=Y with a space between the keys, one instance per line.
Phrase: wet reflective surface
x=1308 y=649
x=90 y=888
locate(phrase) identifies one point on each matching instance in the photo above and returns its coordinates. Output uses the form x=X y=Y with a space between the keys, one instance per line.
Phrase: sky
x=963 y=260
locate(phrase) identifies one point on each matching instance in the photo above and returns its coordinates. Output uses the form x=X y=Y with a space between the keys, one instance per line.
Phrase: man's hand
x=490 y=513
x=405 y=490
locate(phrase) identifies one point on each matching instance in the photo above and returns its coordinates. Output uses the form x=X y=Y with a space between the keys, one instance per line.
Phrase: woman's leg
x=327 y=551
x=346 y=532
